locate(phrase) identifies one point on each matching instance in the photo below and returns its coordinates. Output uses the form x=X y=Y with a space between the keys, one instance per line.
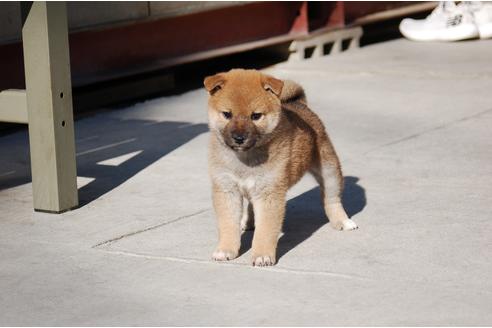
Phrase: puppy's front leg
x=269 y=215
x=228 y=208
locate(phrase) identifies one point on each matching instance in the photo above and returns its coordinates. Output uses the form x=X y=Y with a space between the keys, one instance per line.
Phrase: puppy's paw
x=263 y=260
x=346 y=224
x=224 y=255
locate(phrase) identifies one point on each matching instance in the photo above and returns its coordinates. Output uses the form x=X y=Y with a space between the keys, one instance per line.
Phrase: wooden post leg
x=49 y=104
x=337 y=47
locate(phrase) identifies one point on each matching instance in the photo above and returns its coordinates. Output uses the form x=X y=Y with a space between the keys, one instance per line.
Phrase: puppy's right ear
x=214 y=83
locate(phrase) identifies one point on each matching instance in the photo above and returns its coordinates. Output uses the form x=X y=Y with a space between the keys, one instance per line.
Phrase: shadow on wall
x=305 y=215
x=99 y=143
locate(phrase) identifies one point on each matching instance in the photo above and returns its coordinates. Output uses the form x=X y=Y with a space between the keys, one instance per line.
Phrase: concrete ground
x=412 y=123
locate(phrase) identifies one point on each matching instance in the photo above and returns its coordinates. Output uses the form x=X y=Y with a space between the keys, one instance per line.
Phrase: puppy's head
x=244 y=107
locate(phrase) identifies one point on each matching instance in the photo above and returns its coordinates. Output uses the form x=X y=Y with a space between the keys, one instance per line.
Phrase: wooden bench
x=46 y=106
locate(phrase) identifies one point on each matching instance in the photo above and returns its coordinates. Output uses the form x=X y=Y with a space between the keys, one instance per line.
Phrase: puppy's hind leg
x=330 y=178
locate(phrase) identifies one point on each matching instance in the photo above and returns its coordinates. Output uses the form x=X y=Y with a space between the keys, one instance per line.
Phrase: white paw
x=265 y=260
x=349 y=225
x=345 y=225
x=220 y=255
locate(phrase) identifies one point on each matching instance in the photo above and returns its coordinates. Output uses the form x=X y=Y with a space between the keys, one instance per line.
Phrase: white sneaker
x=482 y=13
x=447 y=22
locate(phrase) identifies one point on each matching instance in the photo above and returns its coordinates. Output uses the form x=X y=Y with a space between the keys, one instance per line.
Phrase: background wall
x=93 y=14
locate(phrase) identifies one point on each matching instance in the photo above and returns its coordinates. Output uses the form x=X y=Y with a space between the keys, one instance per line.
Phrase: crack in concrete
x=377 y=71
x=112 y=240
x=436 y=128
x=241 y=265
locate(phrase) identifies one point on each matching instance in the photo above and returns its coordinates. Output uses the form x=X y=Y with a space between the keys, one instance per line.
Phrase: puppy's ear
x=272 y=84
x=214 y=83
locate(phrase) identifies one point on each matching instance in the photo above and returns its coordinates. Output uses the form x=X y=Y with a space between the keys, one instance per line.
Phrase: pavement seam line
x=238 y=265
x=112 y=240
x=275 y=269
x=93 y=150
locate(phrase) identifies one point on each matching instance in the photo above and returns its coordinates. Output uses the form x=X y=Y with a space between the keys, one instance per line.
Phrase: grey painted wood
x=84 y=15
x=81 y=15
x=10 y=22
x=13 y=106
x=49 y=104
x=90 y=14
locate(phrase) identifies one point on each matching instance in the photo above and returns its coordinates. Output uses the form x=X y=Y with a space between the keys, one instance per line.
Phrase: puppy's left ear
x=214 y=83
x=272 y=84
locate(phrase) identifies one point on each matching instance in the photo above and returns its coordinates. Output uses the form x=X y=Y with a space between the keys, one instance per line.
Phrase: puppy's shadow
x=305 y=215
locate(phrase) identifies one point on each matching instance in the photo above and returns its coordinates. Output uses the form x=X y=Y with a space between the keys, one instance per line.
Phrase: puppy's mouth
x=241 y=148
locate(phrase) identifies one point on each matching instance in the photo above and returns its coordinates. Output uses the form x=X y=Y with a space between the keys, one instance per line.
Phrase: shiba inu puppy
x=264 y=138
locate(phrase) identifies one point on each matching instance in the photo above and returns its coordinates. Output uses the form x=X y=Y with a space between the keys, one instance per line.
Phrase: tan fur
x=274 y=152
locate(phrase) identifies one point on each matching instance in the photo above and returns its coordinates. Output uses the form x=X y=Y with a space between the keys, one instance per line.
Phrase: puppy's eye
x=256 y=116
x=227 y=115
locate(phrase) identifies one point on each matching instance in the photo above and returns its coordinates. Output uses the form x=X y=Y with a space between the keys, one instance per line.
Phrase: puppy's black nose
x=238 y=138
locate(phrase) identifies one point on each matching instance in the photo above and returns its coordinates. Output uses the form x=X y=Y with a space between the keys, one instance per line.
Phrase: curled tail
x=292 y=93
